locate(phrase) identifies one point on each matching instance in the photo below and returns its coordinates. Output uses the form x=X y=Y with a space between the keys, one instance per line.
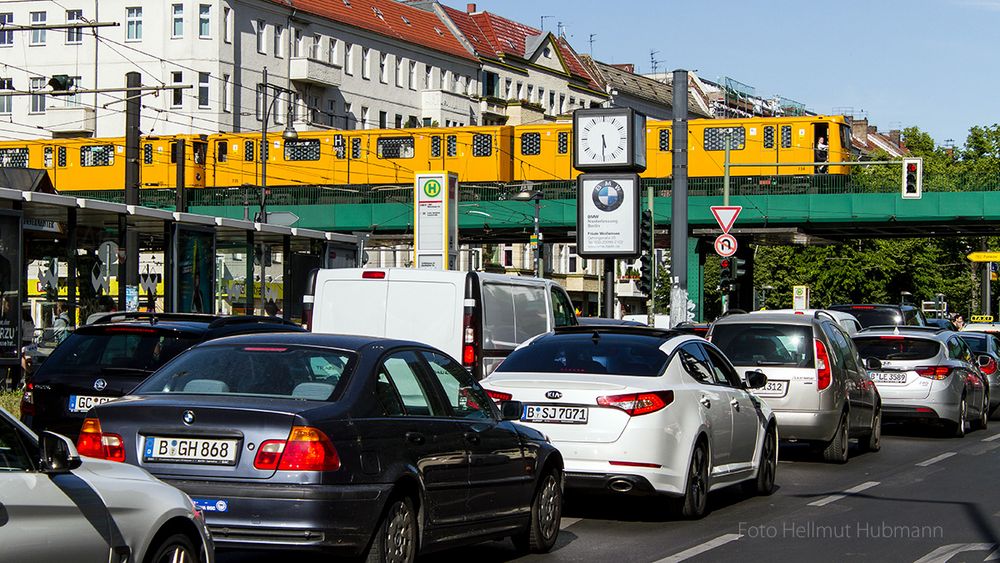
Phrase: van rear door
x=350 y=301
x=426 y=309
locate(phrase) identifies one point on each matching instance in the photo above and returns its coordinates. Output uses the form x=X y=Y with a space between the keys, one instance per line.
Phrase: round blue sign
x=608 y=195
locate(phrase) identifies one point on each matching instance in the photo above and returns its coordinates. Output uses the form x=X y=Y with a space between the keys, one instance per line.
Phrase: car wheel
x=873 y=441
x=546 y=514
x=694 y=504
x=395 y=538
x=764 y=483
x=174 y=548
x=984 y=415
x=836 y=450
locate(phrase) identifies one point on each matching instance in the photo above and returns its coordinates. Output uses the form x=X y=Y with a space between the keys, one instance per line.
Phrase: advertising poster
x=194 y=264
x=10 y=285
x=608 y=215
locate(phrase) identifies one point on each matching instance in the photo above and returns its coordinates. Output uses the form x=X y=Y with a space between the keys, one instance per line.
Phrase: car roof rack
x=118 y=316
x=249 y=319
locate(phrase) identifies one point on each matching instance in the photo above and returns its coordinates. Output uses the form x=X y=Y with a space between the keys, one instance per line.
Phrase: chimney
x=896 y=137
x=859 y=130
x=470 y=8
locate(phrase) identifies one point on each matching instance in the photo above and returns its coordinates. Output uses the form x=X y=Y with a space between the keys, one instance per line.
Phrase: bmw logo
x=100 y=384
x=553 y=395
x=608 y=195
x=188 y=417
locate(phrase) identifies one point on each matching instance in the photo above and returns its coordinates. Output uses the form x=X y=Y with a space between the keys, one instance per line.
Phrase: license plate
x=773 y=389
x=888 y=377
x=83 y=403
x=158 y=449
x=211 y=504
x=553 y=413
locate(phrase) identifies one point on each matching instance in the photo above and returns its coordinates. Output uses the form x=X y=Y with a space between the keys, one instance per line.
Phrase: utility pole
x=132 y=105
x=651 y=299
x=725 y=201
x=679 y=203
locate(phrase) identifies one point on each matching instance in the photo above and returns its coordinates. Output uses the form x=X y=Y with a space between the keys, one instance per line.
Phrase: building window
x=508 y=256
x=314 y=48
x=6 y=37
x=531 y=144
x=37 y=100
x=552 y=103
x=348 y=59
x=383 y=68
x=715 y=138
x=562 y=104
x=383 y=119
x=177 y=27
x=74 y=98
x=459 y=81
x=412 y=81
x=531 y=93
x=6 y=100
x=227 y=24
x=74 y=36
x=520 y=91
x=334 y=58
x=225 y=92
x=366 y=67
x=365 y=119
x=508 y=86
x=398 y=122
x=349 y=116
x=278 y=48
x=133 y=25
x=203 y=89
x=38 y=35
x=204 y=21
x=399 y=72
x=260 y=27
x=176 y=95
x=259 y=103
x=298 y=42
x=571 y=251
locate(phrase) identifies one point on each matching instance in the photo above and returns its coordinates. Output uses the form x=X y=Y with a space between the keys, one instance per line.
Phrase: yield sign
x=725 y=215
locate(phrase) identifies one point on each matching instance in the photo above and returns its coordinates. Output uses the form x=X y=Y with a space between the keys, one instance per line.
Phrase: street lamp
x=536 y=196
x=289 y=134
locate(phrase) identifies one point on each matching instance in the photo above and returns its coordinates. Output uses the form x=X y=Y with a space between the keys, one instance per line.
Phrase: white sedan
x=635 y=410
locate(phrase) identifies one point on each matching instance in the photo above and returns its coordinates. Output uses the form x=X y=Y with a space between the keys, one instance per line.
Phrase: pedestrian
x=60 y=323
x=958 y=321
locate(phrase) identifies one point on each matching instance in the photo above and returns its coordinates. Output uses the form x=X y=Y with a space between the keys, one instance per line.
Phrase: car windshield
x=868 y=315
x=118 y=348
x=897 y=347
x=297 y=372
x=977 y=342
x=590 y=352
x=765 y=344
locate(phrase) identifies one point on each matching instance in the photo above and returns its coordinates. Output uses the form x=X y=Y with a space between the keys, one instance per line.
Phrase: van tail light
x=305 y=449
x=102 y=445
x=373 y=275
x=309 y=298
x=824 y=373
x=28 y=400
x=499 y=396
x=990 y=368
x=934 y=372
x=638 y=404
x=468 y=341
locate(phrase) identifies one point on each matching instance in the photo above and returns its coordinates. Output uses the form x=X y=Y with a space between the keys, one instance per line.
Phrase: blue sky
x=929 y=63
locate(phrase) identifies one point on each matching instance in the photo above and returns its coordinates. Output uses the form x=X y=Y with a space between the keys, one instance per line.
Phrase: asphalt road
x=923 y=498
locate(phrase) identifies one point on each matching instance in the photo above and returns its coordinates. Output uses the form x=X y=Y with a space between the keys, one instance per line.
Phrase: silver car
x=816 y=383
x=926 y=374
x=55 y=505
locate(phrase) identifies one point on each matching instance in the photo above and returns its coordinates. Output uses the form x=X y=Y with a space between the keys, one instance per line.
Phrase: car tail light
x=373 y=275
x=824 y=373
x=102 y=445
x=28 y=400
x=990 y=368
x=890 y=337
x=934 y=372
x=306 y=449
x=499 y=396
x=637 y=404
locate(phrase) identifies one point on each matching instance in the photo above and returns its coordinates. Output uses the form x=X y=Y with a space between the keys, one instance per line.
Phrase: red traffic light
x=911 y=167
x=725 y=263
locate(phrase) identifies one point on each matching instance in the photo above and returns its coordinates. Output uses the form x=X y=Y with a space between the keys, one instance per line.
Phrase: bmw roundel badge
x=188 y=417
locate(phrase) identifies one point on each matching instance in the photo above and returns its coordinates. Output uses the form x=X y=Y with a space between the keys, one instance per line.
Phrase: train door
x=821 y=146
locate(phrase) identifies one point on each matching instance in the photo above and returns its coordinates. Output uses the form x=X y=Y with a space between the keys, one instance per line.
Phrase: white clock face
x=603 y=140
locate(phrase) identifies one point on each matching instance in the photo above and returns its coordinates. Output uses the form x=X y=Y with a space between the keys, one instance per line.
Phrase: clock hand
x=604 y=145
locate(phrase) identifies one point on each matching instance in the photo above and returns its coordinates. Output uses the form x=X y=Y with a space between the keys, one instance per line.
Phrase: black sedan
x=349 y=444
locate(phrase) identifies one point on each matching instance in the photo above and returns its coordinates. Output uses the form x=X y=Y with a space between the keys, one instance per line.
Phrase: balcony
x=312 y=71
x=444 y=105
x=70 y=120
x=491 y=106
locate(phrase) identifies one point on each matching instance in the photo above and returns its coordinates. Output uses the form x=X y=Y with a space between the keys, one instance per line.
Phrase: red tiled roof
x=388 y=18
x=573 y=62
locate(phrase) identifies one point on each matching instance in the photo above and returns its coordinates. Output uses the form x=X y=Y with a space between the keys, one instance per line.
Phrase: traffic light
x=646 y=274
x=726 y=275
x=739 y=268
x=646 y=232
x=61 y=83
x=913 y=178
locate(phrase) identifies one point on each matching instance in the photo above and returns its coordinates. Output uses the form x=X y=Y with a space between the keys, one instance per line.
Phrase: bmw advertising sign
x=608 y=215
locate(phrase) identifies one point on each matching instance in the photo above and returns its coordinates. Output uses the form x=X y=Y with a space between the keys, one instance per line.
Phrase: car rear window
x=296 y=372
x=593 y=352
x=868 y=315
x=121 y=348
x=896 y=347
x=765 y=344
x=977 y=343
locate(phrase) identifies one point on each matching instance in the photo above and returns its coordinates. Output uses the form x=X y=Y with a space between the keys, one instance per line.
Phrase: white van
x=847 y=321
x=475 y=317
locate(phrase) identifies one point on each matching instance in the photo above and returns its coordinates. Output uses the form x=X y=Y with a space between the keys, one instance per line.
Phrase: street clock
x=609 y=139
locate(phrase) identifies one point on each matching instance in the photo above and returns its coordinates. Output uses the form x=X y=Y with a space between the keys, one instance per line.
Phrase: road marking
x=936 y=459
x=567 y=522
x=853 y=490
x=699 y=549
x=946 y=552
x=991 y=438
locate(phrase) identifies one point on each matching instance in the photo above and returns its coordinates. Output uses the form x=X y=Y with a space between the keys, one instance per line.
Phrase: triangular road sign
x=725 y=215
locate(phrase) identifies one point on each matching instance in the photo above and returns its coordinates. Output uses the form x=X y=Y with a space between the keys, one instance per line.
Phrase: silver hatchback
x=816 y=384
x=926 y=374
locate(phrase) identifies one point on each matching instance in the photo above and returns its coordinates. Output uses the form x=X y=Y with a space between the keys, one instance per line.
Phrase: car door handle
x=735 y=404
x=706 y=402
x=472 y=437
x=415 y=438
x=4 y=518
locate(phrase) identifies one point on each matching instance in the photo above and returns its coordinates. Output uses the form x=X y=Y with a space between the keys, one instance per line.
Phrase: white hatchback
x=635 y=410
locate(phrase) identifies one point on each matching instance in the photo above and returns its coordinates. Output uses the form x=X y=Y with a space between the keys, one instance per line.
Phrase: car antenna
x=596 y=337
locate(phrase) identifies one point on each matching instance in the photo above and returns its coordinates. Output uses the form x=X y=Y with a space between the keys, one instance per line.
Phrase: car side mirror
x=59 y=455
x=983 y=360
x=511 y=410
x=755 y=379
x=873 y=363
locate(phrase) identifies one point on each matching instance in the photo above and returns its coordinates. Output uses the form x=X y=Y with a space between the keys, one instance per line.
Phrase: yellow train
x=541 y=152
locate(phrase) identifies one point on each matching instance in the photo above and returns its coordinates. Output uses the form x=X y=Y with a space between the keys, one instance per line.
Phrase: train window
x=47 y=154
x=786 y=136
x=173 y=153
x=664 y=140
x=61 y=157
x=97 y=155
x=248 y=151
x=482 y=145
x=14 y=157
x=221 y=151
x=452 y=145
x=356 y=147
x=198 y=152
x=769 y=137
x=531 y=143
x=715 y=138
x=435 y=147
x=395 y=147
x=563 y=142
x=147 y=153
x=302 y=149
x=339 y=149
x=845 y=139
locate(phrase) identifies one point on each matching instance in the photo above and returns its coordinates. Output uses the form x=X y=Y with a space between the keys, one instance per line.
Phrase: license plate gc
x=204 y=451
x=554 y=413
x=83 y=403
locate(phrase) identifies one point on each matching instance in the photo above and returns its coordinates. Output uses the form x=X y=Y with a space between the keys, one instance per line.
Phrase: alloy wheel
x=548 y=507
x=399 y=534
